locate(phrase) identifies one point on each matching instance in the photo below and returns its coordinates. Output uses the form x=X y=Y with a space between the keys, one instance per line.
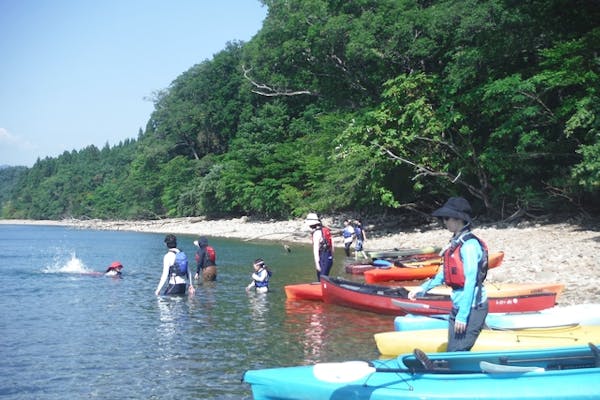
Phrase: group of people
x=354 y=232
x=178 y=275
x=464 y=268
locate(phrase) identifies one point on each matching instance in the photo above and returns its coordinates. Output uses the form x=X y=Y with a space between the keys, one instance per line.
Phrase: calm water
x=69 y=334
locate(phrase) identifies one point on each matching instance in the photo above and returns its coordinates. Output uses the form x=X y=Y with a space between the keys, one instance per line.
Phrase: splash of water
x=72 y=266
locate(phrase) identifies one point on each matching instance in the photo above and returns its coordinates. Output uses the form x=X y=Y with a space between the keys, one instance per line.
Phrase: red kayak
x=378 y=299
x=418 y=271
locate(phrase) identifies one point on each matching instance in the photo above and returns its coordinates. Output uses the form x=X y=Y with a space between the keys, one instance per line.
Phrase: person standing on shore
x=260 y=277
x=322 y=245
x=348 y=236
x=359 y=233
x=175 y=270
x=464 y=269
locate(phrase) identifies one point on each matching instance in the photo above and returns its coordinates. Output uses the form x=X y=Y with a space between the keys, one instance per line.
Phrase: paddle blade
x=342 y=372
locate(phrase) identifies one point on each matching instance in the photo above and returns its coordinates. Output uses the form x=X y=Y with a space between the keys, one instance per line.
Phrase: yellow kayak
x=435 y=340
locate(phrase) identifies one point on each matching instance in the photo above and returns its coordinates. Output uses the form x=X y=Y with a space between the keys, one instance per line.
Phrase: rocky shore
x=568 y=253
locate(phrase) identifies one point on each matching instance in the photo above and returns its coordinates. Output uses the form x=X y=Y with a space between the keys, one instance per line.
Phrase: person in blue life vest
x=175 y=270
x=360 y=235
x=114 y=270
x=206 y=260
x=260 y=277
x=348 y=236
x=322 y=245
x=464 y=268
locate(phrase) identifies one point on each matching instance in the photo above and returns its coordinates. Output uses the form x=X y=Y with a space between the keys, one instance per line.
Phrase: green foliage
x=367 y=106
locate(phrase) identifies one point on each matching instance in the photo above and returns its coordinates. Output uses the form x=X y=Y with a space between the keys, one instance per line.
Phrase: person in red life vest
x=175 y=270
x=114 y=270
x=464 y=269
x=260 y=277
x=206 y=260
x=322 y=245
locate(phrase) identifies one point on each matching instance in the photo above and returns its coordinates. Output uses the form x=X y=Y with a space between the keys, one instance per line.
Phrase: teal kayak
x=551 y=373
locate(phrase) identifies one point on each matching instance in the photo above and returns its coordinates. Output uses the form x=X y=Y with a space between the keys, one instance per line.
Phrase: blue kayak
x=580 y=314
x=552 y=373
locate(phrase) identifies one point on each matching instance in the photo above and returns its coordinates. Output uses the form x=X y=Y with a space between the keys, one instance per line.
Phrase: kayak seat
x=423 y=359
x=595 y=353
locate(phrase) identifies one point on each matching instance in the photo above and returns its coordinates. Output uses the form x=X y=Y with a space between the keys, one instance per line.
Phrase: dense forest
x=369 y=106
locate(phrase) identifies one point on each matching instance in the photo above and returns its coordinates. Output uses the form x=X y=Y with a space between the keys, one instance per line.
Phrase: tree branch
x=268 y=91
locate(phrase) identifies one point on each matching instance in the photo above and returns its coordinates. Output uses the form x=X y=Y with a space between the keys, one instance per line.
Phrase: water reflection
x=329 y=333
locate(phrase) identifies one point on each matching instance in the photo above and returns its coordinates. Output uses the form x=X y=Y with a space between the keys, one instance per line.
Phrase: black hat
x=455 y=207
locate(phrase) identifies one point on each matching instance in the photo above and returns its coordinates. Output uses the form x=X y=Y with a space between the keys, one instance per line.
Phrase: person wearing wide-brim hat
x=465 y=260
x=322 y=245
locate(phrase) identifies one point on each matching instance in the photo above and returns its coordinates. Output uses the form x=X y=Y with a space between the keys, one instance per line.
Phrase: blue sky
x=79 y=72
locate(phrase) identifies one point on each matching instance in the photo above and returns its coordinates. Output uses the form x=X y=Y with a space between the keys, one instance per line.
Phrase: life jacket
x=212 y=255
x=180 y=267
x=326 y=243
x=454 y=273
x=359 y=233
x=266 y=281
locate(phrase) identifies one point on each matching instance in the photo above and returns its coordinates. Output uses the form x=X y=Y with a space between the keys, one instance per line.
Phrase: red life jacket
x=326 y=242
x=212 y=255
x=454 y=270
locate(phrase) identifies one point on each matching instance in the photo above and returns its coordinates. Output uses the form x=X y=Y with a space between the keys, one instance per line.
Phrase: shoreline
x=564 y=253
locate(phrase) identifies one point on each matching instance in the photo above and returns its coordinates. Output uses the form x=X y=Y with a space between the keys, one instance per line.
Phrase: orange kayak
x=417 y=270
x=304 y=291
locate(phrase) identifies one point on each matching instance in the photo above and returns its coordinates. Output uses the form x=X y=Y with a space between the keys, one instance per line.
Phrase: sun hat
x=312 y=219
x=455 y=207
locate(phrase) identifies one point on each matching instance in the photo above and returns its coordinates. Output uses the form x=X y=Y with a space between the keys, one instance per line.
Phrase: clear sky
x=79 y=72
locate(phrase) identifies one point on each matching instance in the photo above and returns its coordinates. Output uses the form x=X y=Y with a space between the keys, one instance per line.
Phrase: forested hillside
x=369 y=106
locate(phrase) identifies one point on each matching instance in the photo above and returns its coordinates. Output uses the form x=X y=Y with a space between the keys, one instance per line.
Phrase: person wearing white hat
x=322 y=245
x=464 y=269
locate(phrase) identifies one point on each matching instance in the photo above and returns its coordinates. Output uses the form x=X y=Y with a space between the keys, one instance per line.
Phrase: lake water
x=69 y=333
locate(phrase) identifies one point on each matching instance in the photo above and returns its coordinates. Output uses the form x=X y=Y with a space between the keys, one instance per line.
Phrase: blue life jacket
x=180 y=268
x=266 y=281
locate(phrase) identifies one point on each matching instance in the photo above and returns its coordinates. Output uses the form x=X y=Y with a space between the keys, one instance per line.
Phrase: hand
x=191 y=290
x=196 y=276
x=157 y=292
x=412 y=295
x=459 y=327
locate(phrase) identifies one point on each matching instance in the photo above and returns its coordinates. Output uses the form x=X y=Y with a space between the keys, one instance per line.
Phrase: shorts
x=178 y=288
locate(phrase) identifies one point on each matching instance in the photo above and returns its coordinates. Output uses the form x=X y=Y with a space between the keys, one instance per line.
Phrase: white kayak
x=580 y=314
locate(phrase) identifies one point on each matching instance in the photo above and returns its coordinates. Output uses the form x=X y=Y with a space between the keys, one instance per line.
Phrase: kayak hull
x=393 y=343
x=533 y=374
x=382 y=299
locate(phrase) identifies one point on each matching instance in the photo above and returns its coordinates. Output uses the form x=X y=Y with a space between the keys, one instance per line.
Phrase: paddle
x=407 y=305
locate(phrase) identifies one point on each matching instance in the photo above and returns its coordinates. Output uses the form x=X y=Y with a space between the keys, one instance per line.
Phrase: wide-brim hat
x=455 y=207
x=312 y=219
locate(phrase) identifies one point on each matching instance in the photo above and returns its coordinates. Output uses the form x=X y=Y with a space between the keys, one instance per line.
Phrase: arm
x=437 y=280
x=191 y=289
x=316 y=245
x=168 y=260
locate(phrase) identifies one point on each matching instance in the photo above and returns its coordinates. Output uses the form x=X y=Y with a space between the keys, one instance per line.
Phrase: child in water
x=260 y=277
